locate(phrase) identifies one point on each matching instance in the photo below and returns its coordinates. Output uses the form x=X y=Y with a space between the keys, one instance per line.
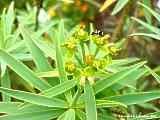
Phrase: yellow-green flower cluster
x=70 y=67
x=86 y=66
x=70 y=44
x=100 y=40
x=81 y=35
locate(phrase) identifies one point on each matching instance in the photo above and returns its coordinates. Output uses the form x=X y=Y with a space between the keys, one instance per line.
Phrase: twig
x=39 y=4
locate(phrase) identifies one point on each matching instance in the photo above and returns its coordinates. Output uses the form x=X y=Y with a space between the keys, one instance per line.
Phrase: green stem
x=83 y=51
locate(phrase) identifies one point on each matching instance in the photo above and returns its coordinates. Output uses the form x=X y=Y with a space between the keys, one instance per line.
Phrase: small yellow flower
x=70 y=67
x=81 y=35
x=100 y=40
x=113 y=50
x=100 y=64
x=70 y=44
x=89 y=59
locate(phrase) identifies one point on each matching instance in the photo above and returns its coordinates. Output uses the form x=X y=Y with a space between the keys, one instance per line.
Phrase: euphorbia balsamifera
x=91 y=63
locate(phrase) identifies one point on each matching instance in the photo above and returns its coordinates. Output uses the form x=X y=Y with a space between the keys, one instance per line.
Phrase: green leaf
x=118 y=65
x=130 y=80
x=45 y=115
x=5 y=82
x=108 y=103
x=90 y=103
x=126 y=61
x=48 y=74
x=41 y=31
x=7 y=20
x=80 y=114
x=28 y=107
x=68 y=115
x=59 y=89
x=22 y=57
x=23 y=71
x=34 y=98
x=3 y=68
x=9 y=107
x=119 y=6
x=59 y=52
x=154 y=36
x=3 y=35
x=157 y=77
x=154 y=13
x=38 y=56
x=48 y=49
x=149 y=106
x=10 y=18
x=16 y=47
x=146 y=13
x=60 y=57
x=148 y=26
x=135 y=98
x=116 y=77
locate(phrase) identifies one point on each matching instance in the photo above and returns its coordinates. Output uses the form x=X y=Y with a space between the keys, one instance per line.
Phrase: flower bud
x=100 y=64
x=89 y=59
x=70 y=67
x=70 y=44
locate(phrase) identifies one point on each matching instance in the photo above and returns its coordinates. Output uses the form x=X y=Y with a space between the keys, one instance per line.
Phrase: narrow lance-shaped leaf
x=59 y=52
x=6 y=24
x=59 y=89
x=28 y=107
x=154 y=13
x=46 y=48
x=23 y=71
x=68 y=115
x=59 y=57
x=3 y=35
x=34 y=98
x=136 y=98
x=149 y=106
x=154 y=36
x=5 y=82
x=10 y=18
x=148 y=26
x=146 y=13
x=90 y=102
x=48 y=74
x=108 y=103
x=38 y=56
x=130 y=80
x=9 y=107
x=40 y=31
x=44 y=115
x=119 y=6
x=157 y=77
x=122 y=62
x=116 y=77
